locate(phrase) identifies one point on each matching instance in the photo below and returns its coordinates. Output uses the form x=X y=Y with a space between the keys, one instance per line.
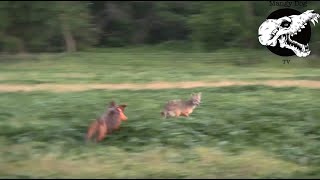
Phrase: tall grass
x=249 y=131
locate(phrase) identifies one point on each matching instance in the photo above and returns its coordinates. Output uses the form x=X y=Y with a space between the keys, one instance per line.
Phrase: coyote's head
x=196 y=98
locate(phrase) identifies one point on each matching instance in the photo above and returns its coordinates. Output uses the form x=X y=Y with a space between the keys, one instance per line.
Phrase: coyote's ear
x=122 y=106
x=199 y=93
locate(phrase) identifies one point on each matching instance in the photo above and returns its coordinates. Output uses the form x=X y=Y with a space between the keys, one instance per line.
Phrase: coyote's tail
x=163 y=114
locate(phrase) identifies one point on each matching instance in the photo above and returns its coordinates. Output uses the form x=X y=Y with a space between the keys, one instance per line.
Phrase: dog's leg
x=102 y=132
x=92 y=130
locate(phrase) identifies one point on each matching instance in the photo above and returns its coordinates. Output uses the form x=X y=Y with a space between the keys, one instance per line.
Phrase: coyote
x=108 y=122
x=176 y=108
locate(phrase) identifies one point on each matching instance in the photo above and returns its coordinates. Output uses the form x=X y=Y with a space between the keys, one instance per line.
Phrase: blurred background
x=62 y=62
x=33 y=26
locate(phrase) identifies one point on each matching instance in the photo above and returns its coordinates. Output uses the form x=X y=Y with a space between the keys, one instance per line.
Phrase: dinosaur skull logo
x=287 y=32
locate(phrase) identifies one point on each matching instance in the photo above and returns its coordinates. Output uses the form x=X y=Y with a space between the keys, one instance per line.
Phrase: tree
x=74 y=21
x=218 y=25
x=249 y=26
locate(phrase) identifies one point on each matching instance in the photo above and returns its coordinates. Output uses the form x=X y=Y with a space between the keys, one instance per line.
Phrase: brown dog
x=108 y=122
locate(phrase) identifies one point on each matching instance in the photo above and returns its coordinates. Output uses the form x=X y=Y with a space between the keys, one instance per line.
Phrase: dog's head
x=117 y=110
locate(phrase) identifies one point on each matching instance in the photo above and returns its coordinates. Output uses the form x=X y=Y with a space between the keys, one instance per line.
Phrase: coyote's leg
x=171 y=114
x=185 y=114
x=164 y=115
x=177 y=113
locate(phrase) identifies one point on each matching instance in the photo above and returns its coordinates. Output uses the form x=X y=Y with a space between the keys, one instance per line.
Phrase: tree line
x=55 y=26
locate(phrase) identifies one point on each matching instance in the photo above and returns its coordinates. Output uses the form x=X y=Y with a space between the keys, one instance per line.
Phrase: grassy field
x=237 y=131
x=141 y=65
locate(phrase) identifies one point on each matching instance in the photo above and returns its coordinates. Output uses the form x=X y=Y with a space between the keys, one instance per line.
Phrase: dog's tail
x=92 y=130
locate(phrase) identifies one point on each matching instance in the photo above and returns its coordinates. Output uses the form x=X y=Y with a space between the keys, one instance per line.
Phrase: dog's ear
x=122 y=106
x=112 y=104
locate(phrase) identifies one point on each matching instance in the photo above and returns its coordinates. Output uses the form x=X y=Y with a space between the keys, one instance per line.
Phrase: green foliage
x=218 y=26
x=10 y=44
x=57 y=26
x=76 y=15
x=37 y=25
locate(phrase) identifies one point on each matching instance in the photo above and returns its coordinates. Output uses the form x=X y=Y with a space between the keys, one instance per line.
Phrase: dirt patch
x=153 y=85
x=73 y=75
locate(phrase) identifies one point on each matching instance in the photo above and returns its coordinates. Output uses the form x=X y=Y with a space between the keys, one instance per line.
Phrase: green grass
x=237 y=132
x=146 y=65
